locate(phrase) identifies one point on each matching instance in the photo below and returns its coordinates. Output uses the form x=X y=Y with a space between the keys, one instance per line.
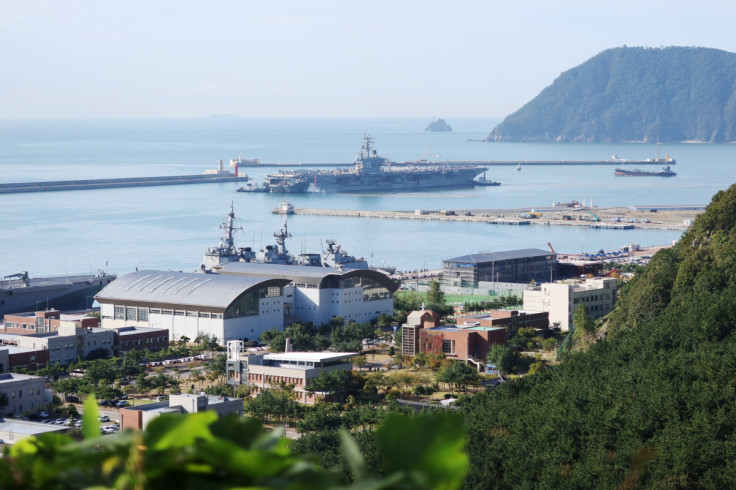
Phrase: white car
x=104 y=418
x=43 y=414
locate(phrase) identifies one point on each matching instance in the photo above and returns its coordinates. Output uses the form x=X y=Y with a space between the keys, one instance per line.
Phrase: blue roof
x=484 y=257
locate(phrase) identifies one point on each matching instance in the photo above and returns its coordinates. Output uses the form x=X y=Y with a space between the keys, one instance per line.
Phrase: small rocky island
x=438 y=125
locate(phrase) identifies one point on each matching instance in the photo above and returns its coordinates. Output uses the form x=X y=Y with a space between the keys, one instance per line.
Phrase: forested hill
x=652 y=405
x=634 y=94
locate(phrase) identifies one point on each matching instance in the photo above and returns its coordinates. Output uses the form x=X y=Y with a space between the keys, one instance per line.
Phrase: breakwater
x=75 y=185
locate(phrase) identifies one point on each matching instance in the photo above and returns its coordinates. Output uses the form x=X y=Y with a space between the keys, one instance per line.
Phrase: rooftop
x=484 y=257
x=27 y=428
x=453 y=328
x=182 y=288
x=310 y=356
x=4 y=377
x=138 y=330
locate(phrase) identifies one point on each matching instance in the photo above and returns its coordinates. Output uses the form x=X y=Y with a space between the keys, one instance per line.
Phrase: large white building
x=190 y=304
x=561 y=298
x=318 y=294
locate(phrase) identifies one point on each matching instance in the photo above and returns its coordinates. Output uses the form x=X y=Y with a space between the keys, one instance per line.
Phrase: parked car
x=121 y=404
x=103 y=403
x=78 y=423
x=124 y=397
x=43 y=414
x=104 y=418
x=106 y=430
x=71 y=399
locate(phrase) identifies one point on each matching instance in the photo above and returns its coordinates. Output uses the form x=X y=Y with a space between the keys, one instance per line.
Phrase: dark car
x=103 y=403
x=71 y=399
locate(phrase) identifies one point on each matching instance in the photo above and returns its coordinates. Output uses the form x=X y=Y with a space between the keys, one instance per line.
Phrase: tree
x=435 y=296
x=501 y=356
x=458 y=374
x=391 y=351
x=584 y=326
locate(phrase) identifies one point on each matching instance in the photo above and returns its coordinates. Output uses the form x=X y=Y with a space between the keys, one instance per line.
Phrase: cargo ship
x=665 y=172
x=20 y=293
x=374 y=173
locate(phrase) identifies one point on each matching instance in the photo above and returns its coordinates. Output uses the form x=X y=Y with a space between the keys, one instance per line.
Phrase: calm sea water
x=170 y=227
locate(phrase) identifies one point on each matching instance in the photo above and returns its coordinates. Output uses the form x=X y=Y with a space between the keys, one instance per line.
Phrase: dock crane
x=23 y=276
x=550 y=247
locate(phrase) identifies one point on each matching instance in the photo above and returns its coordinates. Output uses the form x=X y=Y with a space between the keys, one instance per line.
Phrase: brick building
x=44 y=321
x=139 y=338
x=509 y=319
x=468 y=343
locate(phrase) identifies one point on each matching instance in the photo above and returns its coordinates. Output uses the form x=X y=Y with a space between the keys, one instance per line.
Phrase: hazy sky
x=314 y=58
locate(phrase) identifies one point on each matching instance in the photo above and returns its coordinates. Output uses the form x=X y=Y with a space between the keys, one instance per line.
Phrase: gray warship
x=374 y=173
x=20 y=293
x=226 y=251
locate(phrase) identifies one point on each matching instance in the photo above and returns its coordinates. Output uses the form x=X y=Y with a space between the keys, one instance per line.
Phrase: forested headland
x=634 y=94
x=653 y=404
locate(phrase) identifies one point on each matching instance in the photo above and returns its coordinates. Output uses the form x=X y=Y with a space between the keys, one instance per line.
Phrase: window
x=192 y=313
x=448 y=346
x=167 y=312
x=178 y=313
x=119 y=313
x=155 y=311
x=131 y=313
x=142 y=314
x=202 y=314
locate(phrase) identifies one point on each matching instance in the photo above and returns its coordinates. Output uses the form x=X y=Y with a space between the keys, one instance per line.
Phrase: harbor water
x=170 y=227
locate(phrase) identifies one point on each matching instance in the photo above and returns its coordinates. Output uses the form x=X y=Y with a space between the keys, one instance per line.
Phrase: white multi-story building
x=189 y=304
x=561 y=298
x=261 y=371
x=318 y=294
x=25 y=393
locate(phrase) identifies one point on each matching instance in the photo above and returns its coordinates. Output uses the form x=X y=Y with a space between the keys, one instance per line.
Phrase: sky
x=319 y=59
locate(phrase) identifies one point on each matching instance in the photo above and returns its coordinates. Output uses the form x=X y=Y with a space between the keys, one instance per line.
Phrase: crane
x=422 y=158
x=550 y=247
x=21 y=275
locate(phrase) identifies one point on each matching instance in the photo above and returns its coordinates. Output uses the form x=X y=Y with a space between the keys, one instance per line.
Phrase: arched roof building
x=191 y=304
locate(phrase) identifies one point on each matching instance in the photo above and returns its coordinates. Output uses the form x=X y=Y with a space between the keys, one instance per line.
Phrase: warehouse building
x=513 y=266
x=190 y=304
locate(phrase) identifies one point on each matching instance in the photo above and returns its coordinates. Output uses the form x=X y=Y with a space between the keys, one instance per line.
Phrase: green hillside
x=652 y=405
x=634 y=94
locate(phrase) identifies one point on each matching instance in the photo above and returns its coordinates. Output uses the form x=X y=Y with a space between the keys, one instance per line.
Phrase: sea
x=170 y=227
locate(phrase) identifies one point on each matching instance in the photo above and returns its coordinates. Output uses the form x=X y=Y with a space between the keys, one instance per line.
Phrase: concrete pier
x=617 y=218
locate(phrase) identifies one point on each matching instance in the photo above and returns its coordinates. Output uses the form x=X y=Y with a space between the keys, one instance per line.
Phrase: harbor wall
x=71 y=185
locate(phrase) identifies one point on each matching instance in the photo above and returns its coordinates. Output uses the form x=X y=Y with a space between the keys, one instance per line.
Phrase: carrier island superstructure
x=374 y=173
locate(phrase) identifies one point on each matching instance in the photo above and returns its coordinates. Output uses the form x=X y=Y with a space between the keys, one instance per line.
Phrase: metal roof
x=181 y=288
x=302 y=274
x=500 y=256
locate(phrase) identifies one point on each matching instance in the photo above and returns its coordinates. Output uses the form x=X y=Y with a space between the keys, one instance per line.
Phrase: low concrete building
x=14 y=430
x=25 y=393
x=69 y=342
x=561 y=298
x=263 y=371
x=138 y=417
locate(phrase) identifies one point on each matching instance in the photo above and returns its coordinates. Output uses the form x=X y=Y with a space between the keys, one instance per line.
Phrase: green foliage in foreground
x=204 y=451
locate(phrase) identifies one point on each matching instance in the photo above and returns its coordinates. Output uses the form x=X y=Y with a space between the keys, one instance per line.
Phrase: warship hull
x=61 y=293
x=400 y=180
